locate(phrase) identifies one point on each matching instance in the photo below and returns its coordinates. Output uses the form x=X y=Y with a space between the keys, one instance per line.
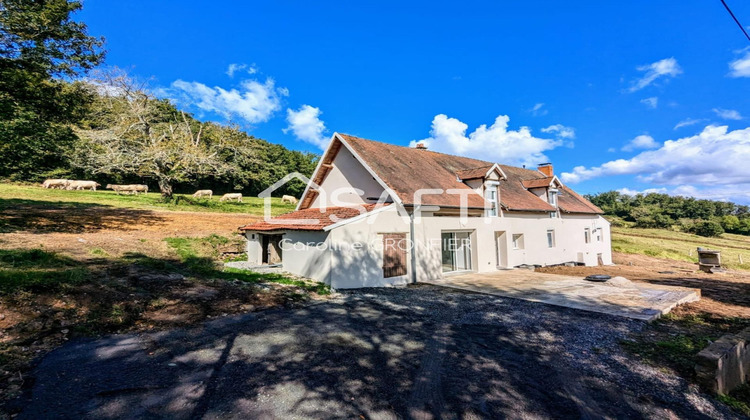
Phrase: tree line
x=61 y=116
x=702 y=217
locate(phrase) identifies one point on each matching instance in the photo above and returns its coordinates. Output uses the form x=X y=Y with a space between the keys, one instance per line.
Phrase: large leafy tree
x=40 y=48
x=132 y=133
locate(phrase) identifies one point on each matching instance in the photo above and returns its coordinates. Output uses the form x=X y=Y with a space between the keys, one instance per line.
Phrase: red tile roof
x=538 y=183
x=515 y=197
x=406 y=170
x=474 y=173
x=570 y=202
x=309 y=219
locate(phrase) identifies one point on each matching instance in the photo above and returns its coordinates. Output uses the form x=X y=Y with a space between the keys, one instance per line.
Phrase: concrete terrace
x=617 y=297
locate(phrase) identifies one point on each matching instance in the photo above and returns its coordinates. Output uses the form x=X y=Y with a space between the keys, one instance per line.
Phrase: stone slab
x=627 y=299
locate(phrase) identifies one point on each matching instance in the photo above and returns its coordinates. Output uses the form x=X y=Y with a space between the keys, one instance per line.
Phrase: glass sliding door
x=456 y=251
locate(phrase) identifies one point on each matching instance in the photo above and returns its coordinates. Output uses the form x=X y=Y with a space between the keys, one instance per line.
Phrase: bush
x=659 y=221
x=645 y=222
x=616 y=221
x=730 y=223
x=708 y=229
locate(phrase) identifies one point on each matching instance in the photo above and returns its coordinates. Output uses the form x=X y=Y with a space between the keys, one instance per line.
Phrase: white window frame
x=587 y=235
x=551 y=243
x=492 y=194
x=599 y=235
x=517 y=241
x=552 y=197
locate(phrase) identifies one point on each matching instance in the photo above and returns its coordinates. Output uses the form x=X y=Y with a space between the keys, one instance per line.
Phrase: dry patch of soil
x=116 y=231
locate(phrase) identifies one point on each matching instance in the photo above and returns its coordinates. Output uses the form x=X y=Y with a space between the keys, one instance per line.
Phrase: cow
x=83 y=185
x=231 y=196
x=289 y=199
x=203 y=193
x=129 y=189
x=55 y=183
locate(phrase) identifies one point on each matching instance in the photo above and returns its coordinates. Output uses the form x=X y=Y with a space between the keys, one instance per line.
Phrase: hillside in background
x=684 y=214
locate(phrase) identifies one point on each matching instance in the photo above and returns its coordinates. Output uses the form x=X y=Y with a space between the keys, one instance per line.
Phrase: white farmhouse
x=376 y=214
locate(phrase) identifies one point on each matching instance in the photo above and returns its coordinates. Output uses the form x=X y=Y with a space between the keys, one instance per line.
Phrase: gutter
x=413 y=247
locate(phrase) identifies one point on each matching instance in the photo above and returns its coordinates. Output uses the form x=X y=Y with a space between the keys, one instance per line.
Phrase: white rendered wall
x=346 y=173
x=569 y=241
x=362 y=266
x=351 y=255
x=305 y=254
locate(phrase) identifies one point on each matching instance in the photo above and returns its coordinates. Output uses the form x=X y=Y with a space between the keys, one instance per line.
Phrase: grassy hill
x=663 y=243
x=25 y=194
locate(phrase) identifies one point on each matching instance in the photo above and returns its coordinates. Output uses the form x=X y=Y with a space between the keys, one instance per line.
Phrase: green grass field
x=17 y=194
x=662 y=243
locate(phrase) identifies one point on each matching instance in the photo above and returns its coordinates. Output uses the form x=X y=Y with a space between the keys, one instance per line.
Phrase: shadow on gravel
x=419 y=352
x=69 y=217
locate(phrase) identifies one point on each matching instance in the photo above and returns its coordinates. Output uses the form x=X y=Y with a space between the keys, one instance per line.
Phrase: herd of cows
x=67 y=184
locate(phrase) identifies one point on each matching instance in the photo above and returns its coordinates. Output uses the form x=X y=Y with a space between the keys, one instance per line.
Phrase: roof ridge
x=421 y=151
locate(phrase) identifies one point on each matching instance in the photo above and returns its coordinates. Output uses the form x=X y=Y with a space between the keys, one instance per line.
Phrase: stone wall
x=725 y=364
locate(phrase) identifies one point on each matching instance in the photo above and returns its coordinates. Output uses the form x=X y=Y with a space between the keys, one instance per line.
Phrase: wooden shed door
x=271 y=249
x=394 y=254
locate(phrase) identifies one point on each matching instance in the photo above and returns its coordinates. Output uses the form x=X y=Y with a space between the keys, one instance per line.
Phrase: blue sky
x=643 y=95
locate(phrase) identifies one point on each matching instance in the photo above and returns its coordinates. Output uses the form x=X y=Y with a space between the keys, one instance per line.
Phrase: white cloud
x=727 y=114
x=644 y=141
x=253 y=102
x=667 y=67
x=715 y=158
x=709 y=193
x=537 y=110
x=741 y=66
x=234 y=68
x=495 y=143
x=651 y=102
x=628 y=191
x=688 y=122
x=561 y=131
x=307 y=126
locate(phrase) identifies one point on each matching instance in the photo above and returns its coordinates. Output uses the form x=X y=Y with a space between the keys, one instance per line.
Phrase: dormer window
x=552 y=197
x=491 y=196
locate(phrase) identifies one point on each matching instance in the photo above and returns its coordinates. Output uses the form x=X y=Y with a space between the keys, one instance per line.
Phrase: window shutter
x=394 y=254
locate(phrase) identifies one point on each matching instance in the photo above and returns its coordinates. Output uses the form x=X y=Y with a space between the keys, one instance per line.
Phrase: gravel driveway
x=419 y=352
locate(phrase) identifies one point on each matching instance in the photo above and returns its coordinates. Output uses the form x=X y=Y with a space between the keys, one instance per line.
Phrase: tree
x=133 y=133
x=730 y=223
x=39 y=45
x=708 y=228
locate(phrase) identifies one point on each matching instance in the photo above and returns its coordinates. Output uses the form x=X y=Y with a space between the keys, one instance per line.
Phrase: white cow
x=203 y=193
x=289 y=199
x=231 y=196
x=55 y=183
x=130 y=189
x=138 y=188
x=83 y=185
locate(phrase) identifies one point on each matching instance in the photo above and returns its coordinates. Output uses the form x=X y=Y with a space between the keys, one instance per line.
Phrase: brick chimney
x=421 y=146
x=546 y=168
